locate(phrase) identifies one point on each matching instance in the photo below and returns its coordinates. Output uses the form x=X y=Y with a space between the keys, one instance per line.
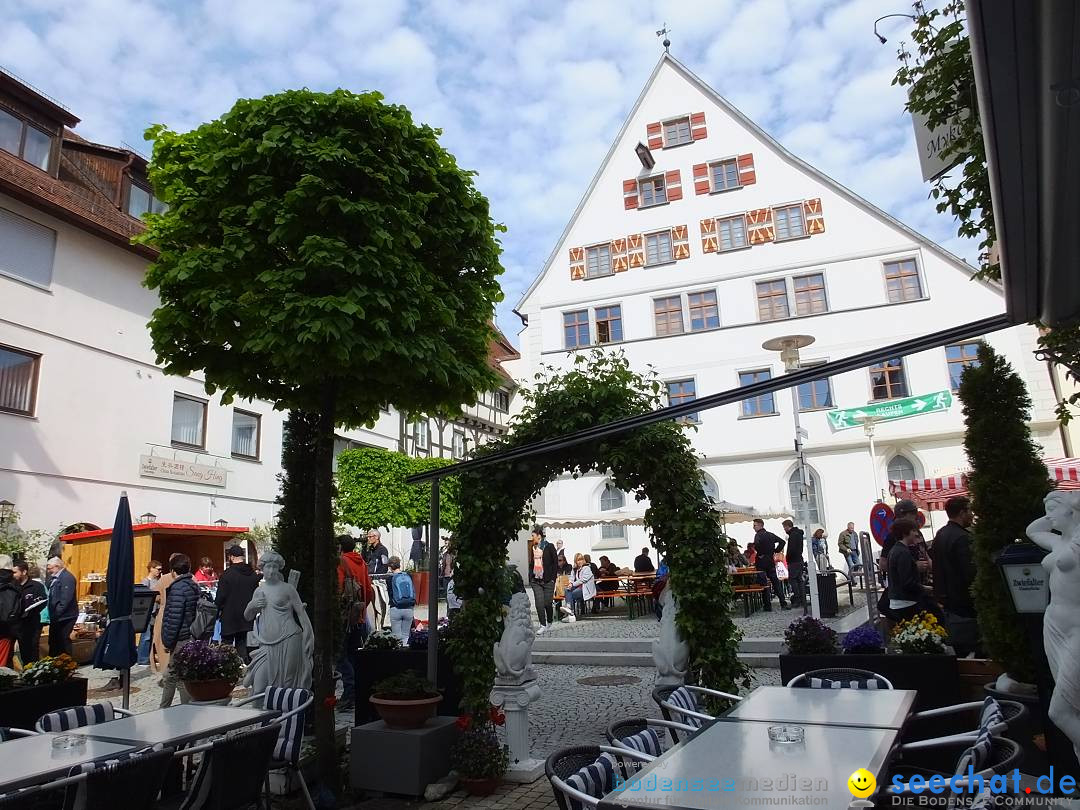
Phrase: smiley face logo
x=861 y=783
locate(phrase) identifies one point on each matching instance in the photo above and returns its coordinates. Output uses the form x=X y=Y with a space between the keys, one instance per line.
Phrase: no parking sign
x=881 y=521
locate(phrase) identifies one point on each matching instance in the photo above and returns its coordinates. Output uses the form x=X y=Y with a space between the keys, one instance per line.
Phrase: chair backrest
x=647 y=741
x=624 y=728
x=7 y=733
x=563 y=763
x=219 y=784
x=840 y=679
x=683 y=698
x=661 y=694
x=76 y=717
x=595 y=779
x=134 y=781
x=291 y=732
x=992 y=713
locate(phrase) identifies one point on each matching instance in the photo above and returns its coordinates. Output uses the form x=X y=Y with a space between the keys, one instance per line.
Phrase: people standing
x=543 y=571
x=402 y=599
x=416 y=551
x=795 y=563
x=63 y=607
x=907 y=595
x=847 y=543
x=446 y=563
x=235 y=589
x=582 y=587
x=206 y=575
x=181 y=601
x=34 y=599
x=378 y=565
x=357 y=593
x=146 y=640
x=954 y=573
x=643 y=563
x=11 y=604
x=767 y=545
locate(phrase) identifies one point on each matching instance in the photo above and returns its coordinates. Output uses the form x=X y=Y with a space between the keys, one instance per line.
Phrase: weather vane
x=663 y=32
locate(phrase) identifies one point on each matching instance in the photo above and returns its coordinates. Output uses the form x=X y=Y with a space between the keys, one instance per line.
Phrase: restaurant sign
x=161 y=467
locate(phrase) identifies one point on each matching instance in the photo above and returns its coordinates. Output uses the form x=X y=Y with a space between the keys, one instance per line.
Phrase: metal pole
x=869 y=565
x=125 y=680
x=868 y=428
x=433 y=588
x=804 y=512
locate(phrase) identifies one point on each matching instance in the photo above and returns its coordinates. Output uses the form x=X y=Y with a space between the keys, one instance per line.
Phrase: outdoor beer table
x=733 y=763
x=176 y=725
x=32 y=760
x=877 y=708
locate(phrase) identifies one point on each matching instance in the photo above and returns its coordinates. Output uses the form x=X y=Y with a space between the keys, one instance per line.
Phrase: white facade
x=748 y=450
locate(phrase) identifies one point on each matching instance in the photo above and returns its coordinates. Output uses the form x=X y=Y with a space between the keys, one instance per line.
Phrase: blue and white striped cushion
x=77 y=717
x=646 y=741
x=287 y=748
x=827 y=683
x=981 y=749
x=594 y=780
x=683 y=698
x=992 y=713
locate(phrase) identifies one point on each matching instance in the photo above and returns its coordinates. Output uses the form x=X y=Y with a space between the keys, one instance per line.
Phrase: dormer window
x=141 y=201
x=25 y=141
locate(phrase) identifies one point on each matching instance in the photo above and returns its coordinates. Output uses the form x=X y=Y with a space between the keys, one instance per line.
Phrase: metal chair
x=583 y=774
x=637 y=734
x=965 y=719
x=683 y=704
x=137 y=778
x=8 y=733
x=80 y=717
x=985 y=754
x=218 y=783
x=840 y=678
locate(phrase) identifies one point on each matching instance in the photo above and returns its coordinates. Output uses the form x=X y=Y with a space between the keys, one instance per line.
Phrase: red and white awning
x=931 y=493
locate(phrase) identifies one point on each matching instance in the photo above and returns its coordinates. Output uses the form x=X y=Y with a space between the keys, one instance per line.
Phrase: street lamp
x=7 y=510
x=868 y=422
x=789 y=346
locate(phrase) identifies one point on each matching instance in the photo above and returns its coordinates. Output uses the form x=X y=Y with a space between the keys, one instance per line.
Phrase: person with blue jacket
x=177 y=614
x=63 y=607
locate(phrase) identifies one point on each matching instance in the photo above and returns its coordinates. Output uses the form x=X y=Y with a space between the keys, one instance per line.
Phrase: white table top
x=728 y=764
x=882 y=708
x=32 y=760
x=176 y=725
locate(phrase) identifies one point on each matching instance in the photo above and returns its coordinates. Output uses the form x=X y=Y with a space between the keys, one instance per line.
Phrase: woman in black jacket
x=907 y=595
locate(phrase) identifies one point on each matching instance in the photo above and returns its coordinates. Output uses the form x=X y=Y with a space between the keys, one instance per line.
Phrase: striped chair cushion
x=826 y=683
x=595 y=780
x=981 y=749
x=646 y=741
x=683 y=698
x=992 y=713
x=292 y=730
x=77 y=717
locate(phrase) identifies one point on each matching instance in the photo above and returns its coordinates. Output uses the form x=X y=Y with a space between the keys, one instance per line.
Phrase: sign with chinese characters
x=893 y=409
x=160 y=467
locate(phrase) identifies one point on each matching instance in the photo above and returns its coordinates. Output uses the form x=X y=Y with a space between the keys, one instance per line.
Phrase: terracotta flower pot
x=480 y=787
x=217 y=689
x=405 y=713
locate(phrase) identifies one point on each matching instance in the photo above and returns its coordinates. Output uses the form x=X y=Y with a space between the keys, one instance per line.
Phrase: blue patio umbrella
x=116 y=647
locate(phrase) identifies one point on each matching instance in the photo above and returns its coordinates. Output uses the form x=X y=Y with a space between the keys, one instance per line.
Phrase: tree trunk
x=325 y=583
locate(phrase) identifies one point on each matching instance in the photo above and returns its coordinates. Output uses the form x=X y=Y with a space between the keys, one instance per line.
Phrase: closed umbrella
x=116 y=647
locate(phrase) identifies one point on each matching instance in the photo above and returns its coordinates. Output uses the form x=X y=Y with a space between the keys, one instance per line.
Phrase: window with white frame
x=576 y=329
x=609 y=324
x=772 y=300
x=807 y=512
x=788 y=222
x=669 y=315
x=817 y=394
x=724 y=174
x=677 y=131
x=27 y=249
x=245 y=434
x=731 y=233
x=709 y=489
x=887 y=380
x=189 y=421
x=704 y=310
x=502 y=400
x=612 y=498
x=959 y=357
x=810 y=294
x=24 y=140
x=680 y=391
x=902 y=281
x=762 y=405
x=598 y=261
x=901 y=469
x=420 y=434
x=457 y=448
x=658 y=248
x=18 y=381
x=652 y=191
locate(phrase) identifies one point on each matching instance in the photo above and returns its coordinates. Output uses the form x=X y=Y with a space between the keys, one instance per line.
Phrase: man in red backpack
x=354 y=587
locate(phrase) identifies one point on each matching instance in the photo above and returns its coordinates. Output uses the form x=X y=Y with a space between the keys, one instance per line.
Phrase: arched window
x=612 y=498
x=812 y=506
x=901 y=469
x=612 y=536
x=711 y=490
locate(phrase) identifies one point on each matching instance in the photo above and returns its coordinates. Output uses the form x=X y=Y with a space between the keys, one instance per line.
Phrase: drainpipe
x=124 y=172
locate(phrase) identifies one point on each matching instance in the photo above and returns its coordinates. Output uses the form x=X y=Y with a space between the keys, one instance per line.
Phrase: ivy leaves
x=372 y=490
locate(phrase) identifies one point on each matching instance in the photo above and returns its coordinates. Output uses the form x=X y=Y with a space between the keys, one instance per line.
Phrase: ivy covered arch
x=655 y=462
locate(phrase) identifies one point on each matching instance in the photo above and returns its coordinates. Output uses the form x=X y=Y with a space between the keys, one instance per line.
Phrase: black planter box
x=371 y=666
x=21 y=708
x=934 y=677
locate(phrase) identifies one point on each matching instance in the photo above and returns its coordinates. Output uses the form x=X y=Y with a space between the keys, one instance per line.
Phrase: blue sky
x=528 y=94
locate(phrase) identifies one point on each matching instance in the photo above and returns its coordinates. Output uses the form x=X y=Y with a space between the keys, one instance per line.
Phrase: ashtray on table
x=787 y=734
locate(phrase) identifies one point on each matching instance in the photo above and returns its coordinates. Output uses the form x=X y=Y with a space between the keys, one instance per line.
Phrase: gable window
x=724 y=174
x=704 y=312
x=680 y=391
x=142 y=201
x=810 y=294
x=502 y=400
x=901 y=469
x=731 y=232
x=960 y=356
x=658 y=248
x=772 y=300
x=420 y=434
x=809 y=511
x=189 y=421
x=457 y=448
x=652 y=191
x=25 y=141
x=815 y=395
x=887 y=380
x=26 y=249
x=709 y=489
x=789 y=222
x=576 y=328
x=598 y=261
x=245 y=434
x=18 y=381
x=902 y=281
x=609 y=324
x=763 y=405
x=668 y=313
x=677 y=132
x=612 y=535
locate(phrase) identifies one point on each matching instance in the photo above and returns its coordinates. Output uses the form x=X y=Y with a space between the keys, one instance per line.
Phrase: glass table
x=176 y=725
x=32 y=760
x=857 y=708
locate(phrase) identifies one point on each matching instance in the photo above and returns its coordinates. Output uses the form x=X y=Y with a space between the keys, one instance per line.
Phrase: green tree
x=325 y=253
x=1008 y=482
x=297 y=499
x=372 y=491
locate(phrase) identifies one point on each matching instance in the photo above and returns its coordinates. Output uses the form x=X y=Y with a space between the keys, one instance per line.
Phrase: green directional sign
x=893 y=409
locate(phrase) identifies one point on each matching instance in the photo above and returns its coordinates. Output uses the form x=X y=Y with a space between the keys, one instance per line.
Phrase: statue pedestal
x=514 y=700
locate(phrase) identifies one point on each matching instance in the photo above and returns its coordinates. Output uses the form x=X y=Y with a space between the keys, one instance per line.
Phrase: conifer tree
x=296 y=517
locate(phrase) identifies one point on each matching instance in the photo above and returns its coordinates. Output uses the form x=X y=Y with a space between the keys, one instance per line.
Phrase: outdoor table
x=732 y=763
x=176 y=725
x=876 y=708
x=26 y=761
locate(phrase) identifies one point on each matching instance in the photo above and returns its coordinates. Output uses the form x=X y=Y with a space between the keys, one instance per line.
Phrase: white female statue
x=286 y=640
x=1061 y=624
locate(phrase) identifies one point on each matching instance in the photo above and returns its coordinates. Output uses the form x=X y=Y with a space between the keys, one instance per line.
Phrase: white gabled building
x=727 y=241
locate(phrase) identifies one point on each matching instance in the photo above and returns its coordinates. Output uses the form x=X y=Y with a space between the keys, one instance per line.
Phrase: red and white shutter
x=577 y=263
x=635 y=248
x=701 y=178
x=708 y=235
x=673 y=181
x=747 y=175
x=656 y=135
x=630 y=194
x=680 y=247
x=619 y=261
x=759 y=226
x=815 y=220
x=697 y=126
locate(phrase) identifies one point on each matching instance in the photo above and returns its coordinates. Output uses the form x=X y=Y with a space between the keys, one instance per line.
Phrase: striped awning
x=931 y=493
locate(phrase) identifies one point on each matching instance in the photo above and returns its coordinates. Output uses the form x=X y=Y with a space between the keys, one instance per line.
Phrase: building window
x=704 y=312
x=709 y=489
x=576 y=328
x=960 y=356
x=25 y=141
x=457 y=447
x=677 y=132
x=724 y=175
x=142 y=201
x=815 y=395
x=420 y=434
x=652 y=191
x=598 y=261
x=763 y=405
x=887 y=380
x=731 y=233
x=788 y=222
x=612 y=498
x=810 y=294
x=901 y=469
x=658 y=248
x=26 y=249
x=502 y=400
x=609 y=324
x=807 y=513
x=245 y=434
x=772 y=300
x=668 y=312
x=18 y=381
x=680 y=391
x=902 y=281
x=189 y=421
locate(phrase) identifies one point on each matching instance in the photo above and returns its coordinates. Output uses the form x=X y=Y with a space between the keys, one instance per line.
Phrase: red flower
x=496 y=715
x=463 y=722
x=330 y=702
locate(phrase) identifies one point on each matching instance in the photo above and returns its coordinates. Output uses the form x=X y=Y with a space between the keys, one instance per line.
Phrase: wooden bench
x=747 y=592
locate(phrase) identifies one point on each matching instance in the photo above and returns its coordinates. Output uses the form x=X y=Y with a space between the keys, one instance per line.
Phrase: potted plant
x=810 y=636
x=863 y=640
x=43 y=686
x=920 y=635
x=382 y=640
x=478 y=757
x=405 y=700
x=208 y=671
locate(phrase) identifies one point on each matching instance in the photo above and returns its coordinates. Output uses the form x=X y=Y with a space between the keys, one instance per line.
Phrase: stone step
x=633 y=659
x=575 y=644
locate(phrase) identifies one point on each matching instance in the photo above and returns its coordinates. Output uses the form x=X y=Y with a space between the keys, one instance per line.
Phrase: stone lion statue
x=513 y=652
